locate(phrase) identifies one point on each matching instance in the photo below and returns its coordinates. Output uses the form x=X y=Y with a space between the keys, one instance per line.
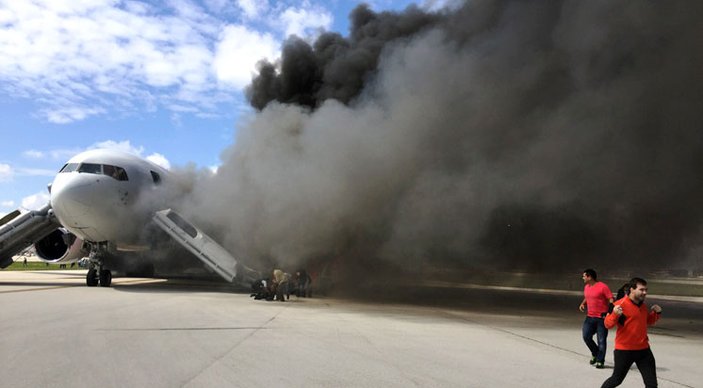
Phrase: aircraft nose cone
x=71 y=201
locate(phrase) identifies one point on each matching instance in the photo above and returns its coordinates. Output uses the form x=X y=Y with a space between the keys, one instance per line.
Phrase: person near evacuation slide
x=596 y=301
x=281 y=282
x=287 y=280
x=303 y=283
x=632 y=317
x=260 y=289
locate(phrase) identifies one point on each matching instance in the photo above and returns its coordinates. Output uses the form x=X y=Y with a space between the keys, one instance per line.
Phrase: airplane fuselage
x=107 y=204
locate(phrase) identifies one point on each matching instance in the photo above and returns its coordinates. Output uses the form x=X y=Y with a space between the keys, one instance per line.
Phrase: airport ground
x=183 y=333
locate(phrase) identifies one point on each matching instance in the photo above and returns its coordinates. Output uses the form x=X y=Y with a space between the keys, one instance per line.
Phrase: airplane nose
x=71 y=200
x=88 y=205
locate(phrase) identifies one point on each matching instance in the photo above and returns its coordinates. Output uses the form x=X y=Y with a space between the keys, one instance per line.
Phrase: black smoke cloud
x=334 y=67
x=514 y=134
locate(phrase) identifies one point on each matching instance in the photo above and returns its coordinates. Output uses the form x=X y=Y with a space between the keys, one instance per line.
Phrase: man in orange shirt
x=632 y=317
x=596 y=300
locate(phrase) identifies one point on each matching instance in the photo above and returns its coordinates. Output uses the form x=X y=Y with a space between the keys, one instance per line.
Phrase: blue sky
x=160 y=79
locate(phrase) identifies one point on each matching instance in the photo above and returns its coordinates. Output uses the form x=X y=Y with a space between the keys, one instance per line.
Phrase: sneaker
x=600 y=365
x=593 y=360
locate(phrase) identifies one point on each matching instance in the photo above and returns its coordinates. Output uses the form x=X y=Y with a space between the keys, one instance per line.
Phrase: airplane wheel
x=105 y=278
x=91 y=279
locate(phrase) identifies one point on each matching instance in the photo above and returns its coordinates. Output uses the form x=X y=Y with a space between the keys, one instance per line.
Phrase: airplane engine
x=60 y=246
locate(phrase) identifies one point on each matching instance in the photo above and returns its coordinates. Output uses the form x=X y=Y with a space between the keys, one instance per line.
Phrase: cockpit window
x=108 y=170
x=120 y=174
x=90 y=168
x=69 y=167
x=114 y=172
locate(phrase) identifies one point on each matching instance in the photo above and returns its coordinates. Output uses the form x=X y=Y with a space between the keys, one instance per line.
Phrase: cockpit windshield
x=114 y=172
x=69 y=167
x=90 y=168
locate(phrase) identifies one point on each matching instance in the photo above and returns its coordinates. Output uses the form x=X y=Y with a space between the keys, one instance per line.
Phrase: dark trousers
x=623 y=361
x=596 y=326
x=304 y=290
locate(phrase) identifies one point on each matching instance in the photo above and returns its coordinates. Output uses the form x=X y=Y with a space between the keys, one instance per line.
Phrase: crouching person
x=260 y=289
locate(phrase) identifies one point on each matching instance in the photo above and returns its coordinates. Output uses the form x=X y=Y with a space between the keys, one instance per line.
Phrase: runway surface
x=141 y=332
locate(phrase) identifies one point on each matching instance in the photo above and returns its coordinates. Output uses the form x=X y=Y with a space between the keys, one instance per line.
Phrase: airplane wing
x=202 y=246
x=19 y=231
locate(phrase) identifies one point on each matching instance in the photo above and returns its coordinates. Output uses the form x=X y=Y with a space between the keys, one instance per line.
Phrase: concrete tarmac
x=56 y=332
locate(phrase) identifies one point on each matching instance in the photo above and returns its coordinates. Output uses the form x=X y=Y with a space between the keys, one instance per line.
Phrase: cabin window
x=69 y=167
x=156 y=177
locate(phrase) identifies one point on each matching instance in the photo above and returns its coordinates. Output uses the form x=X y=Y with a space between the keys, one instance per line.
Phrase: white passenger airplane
x=110 y=206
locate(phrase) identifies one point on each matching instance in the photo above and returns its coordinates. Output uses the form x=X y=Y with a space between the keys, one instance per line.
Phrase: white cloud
x=91 y=58
x=35 y=201
x=69 y=114
x=238 y=52
x=8 y=204
x=81 y=59
x=253 y=8
x=124 y=146
x=216 y=5
x=6 y=172
x=35 y=172
x=63 y=154
x=159 y=160
x=299 y=21
x=33 y=154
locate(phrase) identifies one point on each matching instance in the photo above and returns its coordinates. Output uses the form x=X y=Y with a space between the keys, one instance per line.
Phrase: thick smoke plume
x=516 y=134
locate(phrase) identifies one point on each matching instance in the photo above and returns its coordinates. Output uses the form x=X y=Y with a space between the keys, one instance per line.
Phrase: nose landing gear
x=96 y=273
x=97 y=276
x=105 y=278
x=91 y=279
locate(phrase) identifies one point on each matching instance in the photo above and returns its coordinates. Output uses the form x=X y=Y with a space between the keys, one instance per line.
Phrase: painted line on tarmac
x=119 y=283
x=246 y=337
x=38 y=289
x=187 y=328
x=549 y=291
x=505 y=331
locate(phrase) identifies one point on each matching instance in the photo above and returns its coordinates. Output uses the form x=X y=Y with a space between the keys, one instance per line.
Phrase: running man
x=596 y=300
x=632 y=317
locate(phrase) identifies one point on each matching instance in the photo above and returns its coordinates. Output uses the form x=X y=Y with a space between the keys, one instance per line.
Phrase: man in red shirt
x=632 y=317
x=596 y=300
